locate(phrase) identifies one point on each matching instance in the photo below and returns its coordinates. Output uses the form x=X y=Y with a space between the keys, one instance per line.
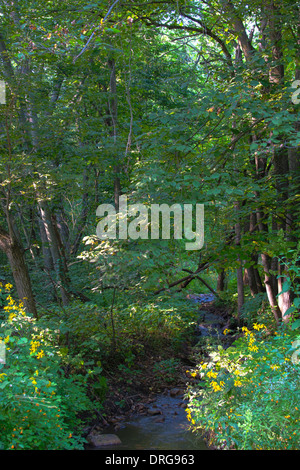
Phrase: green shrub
x=166 y=370
x=248 y=395
x=160 y=321
x=39 y=405
x=256 y=309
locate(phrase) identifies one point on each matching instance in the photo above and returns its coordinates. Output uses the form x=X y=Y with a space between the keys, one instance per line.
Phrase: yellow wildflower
x=188 y=414
x=215 y=386
x=237 y=383
x=258 y=326
x=34 y=346
x=245 y=329
x=212 y=374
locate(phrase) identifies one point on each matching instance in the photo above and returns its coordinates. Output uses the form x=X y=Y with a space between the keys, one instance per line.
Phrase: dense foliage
x=249 y=393
x=182 y=102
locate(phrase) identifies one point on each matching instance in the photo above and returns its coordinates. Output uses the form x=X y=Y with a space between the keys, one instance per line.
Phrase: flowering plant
x=248 y=395
x=35 y=396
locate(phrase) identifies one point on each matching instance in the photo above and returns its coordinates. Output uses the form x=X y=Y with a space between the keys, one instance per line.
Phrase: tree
x=263 y=37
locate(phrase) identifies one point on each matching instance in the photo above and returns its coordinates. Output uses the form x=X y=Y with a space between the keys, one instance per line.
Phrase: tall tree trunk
x=251 y=271
x=266 y=261
x=47 y=257
x=15 y=254
x=63 y=228
x=55 y=248
x=239 y=271
x=281 y=157
x=113 y=107
x=221 y=281
x=84 y=213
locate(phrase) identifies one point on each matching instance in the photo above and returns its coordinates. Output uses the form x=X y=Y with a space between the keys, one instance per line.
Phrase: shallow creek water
x=165 y=431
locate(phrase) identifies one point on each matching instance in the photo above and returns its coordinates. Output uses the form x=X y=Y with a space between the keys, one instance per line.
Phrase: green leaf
x=295 y=324
x=297 y=302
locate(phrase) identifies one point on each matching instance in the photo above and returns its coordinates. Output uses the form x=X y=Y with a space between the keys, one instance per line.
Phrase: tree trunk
x=286 y=298
x=15 y=254
x=281 y=157
x=239 y=271
x=113 y=107
x=57 y=256
x=84 y=214
x=63 y=229
x=221 y=281
x=269 y=288
x=47 y=257
x=251 y=272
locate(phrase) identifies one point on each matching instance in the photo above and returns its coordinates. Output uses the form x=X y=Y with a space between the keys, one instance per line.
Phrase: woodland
x=166 y=102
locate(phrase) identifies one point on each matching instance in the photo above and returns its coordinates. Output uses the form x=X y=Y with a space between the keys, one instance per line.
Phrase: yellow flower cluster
x=7 y=286
x=33 y=381
x=33 y=346
x=251 y=346
x=259 y=326
x=217 y=386
x=212 y=374
x=12 y=308
x=245 y=329
x=237 y=383
x=189 y=416
x=2 y=376
x=234 y=369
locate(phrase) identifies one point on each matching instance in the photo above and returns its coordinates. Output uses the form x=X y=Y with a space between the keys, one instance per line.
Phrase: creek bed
x=165 y=429
x=165 y=425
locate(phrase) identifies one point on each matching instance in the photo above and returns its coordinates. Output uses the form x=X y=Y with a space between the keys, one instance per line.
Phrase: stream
x=166 y=430
x=164 y=425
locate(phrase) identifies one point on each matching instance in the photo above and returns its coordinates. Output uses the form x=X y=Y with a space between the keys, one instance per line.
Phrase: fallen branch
x=186 y=280
x=202 y=280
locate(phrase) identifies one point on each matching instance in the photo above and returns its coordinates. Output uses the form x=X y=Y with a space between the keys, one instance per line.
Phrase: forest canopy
x=166 y=102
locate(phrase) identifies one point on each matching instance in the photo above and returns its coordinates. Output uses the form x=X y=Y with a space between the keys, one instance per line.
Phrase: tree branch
x=202 y=30
x=92 y=35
